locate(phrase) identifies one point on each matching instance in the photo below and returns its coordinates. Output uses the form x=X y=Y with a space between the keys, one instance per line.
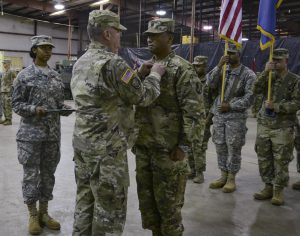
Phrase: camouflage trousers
x=1 y=110
x=39 y=160
x=160 y=185
x=229 y=138
x=297 y=145
x=101 y=200
x=6 y=105
x=197 y=160
x=274 y=148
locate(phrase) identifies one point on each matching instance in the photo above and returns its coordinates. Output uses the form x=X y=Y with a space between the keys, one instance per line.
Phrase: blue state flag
x=266 y=23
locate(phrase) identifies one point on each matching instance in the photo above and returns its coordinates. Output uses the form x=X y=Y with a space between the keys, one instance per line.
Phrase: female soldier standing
x=38 y=99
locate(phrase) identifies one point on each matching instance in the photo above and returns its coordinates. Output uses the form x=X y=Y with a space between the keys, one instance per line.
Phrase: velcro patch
x=127 y=76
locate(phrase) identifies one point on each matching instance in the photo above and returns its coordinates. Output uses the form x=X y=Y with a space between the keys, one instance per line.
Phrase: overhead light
x=245 y=39
x=161 y=12
x=207 y=27
x=57 y=13
x=59 y=6
x=99 y=3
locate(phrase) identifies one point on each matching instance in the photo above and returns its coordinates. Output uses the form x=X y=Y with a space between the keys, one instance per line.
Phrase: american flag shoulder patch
x=127 y=76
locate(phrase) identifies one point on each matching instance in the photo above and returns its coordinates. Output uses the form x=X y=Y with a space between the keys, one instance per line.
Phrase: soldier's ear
x=106 y=34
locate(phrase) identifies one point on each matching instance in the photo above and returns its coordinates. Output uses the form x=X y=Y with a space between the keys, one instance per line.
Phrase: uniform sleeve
x=292 y=106
x=128 y=85
x=244 y=102
x=261 y=84
x=206 y=98
x=213 y=78
x=20 y=104
x=192 y=107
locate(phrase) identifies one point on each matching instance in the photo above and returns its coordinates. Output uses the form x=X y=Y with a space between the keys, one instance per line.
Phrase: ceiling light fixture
x=245 y=39
x=58 y=5
x=57 y=13
x=207 y=27
x=161 y=12
x=99 y=3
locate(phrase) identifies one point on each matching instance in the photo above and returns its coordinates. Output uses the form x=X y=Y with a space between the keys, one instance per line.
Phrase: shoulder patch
x=127 y=76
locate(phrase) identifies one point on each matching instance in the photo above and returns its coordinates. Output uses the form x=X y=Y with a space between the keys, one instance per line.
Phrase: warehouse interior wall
x=15 y=34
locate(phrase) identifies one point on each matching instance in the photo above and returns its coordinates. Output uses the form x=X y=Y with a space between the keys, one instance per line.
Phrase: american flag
x=230 y=27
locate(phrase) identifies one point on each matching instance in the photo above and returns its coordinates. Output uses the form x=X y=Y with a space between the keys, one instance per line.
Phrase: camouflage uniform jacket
x=104 y=88
x=286 y=99
x=171 y=120
x=7 y=81
x=209 y=94
x=240 y=99
x=33 y=88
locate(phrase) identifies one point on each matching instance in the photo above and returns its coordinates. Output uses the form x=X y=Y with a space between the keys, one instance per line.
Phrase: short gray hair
x=94 y=32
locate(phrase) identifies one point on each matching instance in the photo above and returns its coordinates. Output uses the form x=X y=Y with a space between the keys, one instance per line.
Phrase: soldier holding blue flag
x=275 y=134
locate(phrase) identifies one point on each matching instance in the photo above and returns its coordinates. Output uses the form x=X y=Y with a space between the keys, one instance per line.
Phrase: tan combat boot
x=264 y=194
x=45 y=219
x=277 y=198
x=296 y=185
x=199 y=179
x=7 y=122
x=230 y=186
x=34 y=227
x=219 y=183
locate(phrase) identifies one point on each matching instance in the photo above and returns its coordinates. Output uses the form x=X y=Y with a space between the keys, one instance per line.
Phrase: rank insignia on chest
x=127 y=76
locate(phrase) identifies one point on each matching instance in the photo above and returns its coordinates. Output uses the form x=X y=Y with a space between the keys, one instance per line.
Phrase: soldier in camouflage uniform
x=296 y=185
x=167 y=130
x=38 y=90
x=1 y=109
x=275 y=126
x=258 y=99
x=7 y=79
x=229 y=122
x=209 y=95
x=104 y=89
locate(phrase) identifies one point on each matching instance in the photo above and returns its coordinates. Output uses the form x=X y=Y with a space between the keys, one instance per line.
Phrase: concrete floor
x=206 y=212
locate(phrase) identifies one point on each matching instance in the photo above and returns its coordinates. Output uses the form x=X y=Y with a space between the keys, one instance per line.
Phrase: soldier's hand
x=177 y=154
x=40 y=111
x=145 y=69
x=158 y=68
x=224 y=107
x=270 y=66
x=269 y=105
x=223 y=60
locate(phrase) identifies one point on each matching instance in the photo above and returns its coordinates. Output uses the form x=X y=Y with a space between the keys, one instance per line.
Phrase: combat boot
x=192 y=174
x=277 y=198
x=7 y=122
x=45 y=219
x=296 y=185
x=219 y=183
x=264 y=194
x=34 y=227
x=230 y=186
x=199 y=179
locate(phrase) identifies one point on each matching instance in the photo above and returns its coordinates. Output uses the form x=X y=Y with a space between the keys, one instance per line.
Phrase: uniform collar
x=167 y=58
x=96 y=45
x=236 y=71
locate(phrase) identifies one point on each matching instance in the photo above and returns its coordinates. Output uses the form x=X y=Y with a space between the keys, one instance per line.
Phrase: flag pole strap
x=224 y=72
x=270 y=74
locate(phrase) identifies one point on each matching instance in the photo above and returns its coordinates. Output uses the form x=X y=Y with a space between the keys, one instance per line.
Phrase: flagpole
x=224 y=72
x=270 y=74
